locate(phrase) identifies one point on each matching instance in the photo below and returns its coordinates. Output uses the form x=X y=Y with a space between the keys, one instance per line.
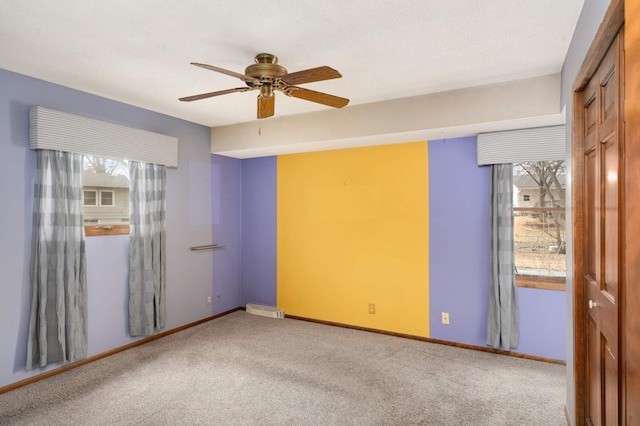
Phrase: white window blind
x=61 y=131
x=513 y=146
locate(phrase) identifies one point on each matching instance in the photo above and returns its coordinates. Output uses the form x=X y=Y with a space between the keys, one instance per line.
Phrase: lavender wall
x=210 y=199
x=227 y=231
x=459 y=194
x=108 y=304
x=458 y=241
x=259 y=230
x=190 y=204
x=542 y=323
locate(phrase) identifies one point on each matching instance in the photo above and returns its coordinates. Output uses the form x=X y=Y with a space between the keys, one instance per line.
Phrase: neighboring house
x=105 y=198
x=528 y=192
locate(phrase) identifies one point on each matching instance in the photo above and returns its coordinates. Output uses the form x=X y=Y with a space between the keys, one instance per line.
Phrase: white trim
x=61 y=131
x=84 y=202
x=113 y=200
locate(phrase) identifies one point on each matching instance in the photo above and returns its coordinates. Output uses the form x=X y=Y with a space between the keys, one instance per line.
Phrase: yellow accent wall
x=353 y=230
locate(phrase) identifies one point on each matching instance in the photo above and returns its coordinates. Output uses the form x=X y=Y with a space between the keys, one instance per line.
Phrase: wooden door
x=600 y=145
x=631 y=232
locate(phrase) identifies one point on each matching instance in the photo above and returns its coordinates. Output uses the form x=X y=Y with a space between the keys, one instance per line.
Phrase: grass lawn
x=533 y=239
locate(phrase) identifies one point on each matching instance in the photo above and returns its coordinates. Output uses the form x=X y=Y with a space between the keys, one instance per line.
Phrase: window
x=87 y=136
x=105 y=196
x=90 y=198
x=539 y=225
x=106 y=199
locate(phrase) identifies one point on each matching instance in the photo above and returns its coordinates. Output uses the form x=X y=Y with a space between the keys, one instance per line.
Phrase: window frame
x=102 y=204
x=540 y=281
x=96 y=198
x=103 y=229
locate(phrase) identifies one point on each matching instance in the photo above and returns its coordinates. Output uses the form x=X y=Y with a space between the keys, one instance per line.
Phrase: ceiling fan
x=266 y=76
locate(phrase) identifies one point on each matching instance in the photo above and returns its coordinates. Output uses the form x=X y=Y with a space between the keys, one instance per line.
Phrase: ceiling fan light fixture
x=266 y=91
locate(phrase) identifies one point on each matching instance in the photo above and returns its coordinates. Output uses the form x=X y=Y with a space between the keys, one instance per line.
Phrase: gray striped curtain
x=147 y=254
x=503 y=322
x=58 y=323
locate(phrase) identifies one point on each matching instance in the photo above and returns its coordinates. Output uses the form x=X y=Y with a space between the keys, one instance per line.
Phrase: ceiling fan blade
x=227 y=72
x=212 y=94
x=319 y=97
x=311 y=75
x=266 y=106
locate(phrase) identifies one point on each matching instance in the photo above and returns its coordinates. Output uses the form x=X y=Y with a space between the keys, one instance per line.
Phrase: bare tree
x=94 y=164
x=546 y=174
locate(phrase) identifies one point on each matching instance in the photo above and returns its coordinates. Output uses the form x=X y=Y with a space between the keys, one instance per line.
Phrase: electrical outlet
x=445 y=318
x=208 y=300
x=372 y=308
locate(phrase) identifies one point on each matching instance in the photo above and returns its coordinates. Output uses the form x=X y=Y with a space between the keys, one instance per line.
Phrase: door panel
x=610 y=232
x=600 y=239
x=593 y=371
x=610 y=382
x=591 y=221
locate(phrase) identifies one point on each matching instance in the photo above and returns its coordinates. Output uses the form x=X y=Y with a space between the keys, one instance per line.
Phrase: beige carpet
x=243 y=369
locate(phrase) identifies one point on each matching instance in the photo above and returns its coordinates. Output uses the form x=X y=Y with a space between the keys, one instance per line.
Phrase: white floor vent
x=265 y=311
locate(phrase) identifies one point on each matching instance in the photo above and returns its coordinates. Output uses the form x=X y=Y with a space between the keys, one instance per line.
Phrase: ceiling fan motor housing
x=267 y=70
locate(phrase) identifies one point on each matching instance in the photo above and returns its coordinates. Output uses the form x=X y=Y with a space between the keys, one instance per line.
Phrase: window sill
x=544 y=283
x=99 y=230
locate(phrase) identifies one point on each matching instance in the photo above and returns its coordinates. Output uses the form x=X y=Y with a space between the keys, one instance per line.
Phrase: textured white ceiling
x=138 y=51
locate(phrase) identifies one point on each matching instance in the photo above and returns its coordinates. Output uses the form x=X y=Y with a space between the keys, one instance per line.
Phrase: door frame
x=607 y=32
